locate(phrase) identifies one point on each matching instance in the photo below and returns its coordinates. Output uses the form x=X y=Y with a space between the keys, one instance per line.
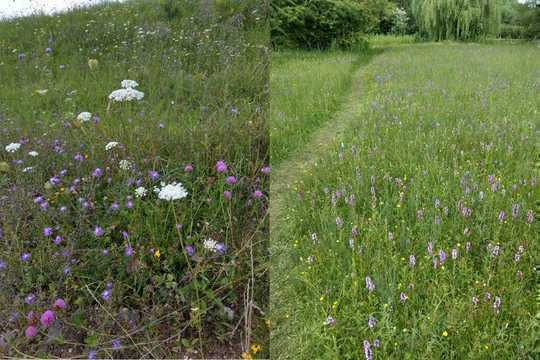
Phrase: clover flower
x=221 y=166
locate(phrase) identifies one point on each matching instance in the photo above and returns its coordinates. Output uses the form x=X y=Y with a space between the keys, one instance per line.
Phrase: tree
x=456 y=19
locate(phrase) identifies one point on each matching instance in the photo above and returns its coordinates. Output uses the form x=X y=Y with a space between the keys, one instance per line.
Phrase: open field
x=416 y=235
x=146 y=219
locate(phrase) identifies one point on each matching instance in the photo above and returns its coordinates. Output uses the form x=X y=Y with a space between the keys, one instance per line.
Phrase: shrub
x=511 y=31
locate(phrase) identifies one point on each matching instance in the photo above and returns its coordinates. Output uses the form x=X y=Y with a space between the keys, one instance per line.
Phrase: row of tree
x=324 y=23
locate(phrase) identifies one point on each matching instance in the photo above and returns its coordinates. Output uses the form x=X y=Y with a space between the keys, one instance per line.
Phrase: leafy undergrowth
x=307 y=88
x=146 y=218
x=417 y=237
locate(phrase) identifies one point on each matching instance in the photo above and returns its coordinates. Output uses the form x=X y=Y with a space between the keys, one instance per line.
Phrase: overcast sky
x=12 y=8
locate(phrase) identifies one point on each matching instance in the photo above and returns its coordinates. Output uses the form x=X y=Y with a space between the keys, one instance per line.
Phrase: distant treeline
x=344 y=23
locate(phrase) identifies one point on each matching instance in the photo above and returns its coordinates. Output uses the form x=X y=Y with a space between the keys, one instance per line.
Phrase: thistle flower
x=30 y=331
x=60 y=303
x=221 y=166
x=257 y=194
x=230 y=180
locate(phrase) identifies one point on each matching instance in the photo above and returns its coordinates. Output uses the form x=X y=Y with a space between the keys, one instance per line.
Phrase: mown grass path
x=285 y=176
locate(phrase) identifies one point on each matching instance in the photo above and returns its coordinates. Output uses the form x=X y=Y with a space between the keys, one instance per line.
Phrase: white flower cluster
x=141 y=192
x=85 y=116
x=33 y=153
x=111 y=145
x=129 y=84
x=12 y=147
x=125 y=165
x=170 y=192
x=210 y=244
x=127 y=93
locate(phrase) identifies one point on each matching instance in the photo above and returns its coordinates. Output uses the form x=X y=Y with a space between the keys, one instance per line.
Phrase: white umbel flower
x=170 y=192
x=140 y=192
x=125 y=164
x=129 y=84
x=210 y=244
x=84 y=116
x=11 y=148
x=128 y=94
x=111 y=145
x=33 y=153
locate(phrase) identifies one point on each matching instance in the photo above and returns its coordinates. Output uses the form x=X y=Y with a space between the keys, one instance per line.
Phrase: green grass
x=307 y=88
x=442 y=129
x=203 y=70
x=381 y=40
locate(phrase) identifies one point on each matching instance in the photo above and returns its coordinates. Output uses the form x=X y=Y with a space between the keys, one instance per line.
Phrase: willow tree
x=456 y=19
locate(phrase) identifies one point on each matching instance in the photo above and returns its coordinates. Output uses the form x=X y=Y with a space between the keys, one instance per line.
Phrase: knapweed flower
x=97 y=173
x=111 y=145
x=85 y=116
x=230 y=180
x=257 y=194
x=13 y=147
x=403 y=297
x=190 y=250
x=60 y=303
x=370 y=286
x=188 y=168
x=170 y=192
x=227 y=194
x=140 y=192
x=153 y=175
x=48 y=231
x=31 y=331
x=221 y=166
x=47 y=318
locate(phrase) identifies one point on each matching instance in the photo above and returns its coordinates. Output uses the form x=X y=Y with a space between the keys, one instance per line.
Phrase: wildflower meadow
x=134 y=181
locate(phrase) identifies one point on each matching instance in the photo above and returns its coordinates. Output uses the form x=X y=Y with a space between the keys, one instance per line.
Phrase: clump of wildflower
x=140 y=192
x=370 y=286
x=173 y=191
x=13 y=147
x=84 y=116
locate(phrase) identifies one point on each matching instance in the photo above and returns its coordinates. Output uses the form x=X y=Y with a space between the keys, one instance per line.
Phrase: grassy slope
x=438 y=120
x=203 y=73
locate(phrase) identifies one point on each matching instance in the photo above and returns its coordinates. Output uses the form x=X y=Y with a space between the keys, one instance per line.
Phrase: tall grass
x=417 y=237
x=79 y=219
x=307 y=87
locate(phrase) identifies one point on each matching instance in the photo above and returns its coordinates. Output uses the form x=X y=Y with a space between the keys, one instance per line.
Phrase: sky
x=14 y=8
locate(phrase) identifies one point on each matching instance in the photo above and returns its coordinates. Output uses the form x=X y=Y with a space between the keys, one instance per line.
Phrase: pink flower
x=30 y=331
x=47 y=318
x=188 y=168
x=60 y=303
x=221 y=167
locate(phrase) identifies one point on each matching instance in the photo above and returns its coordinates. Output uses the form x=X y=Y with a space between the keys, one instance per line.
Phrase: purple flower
x=497 y=304
x=78 y=157
x=530 y=217
x=221 y=248
x=370 y=286
x=403 y=297
x=221 y=166
x=25 y=257
x=106 y=294
x=454 y=254
x=266 y=170
x=97 y=173
x=60 y=303
x=230 y=180
x=257 y=194
x=339 y=222
x=30 y=299
x=376 y=343
x=57 y=240
x=372 y=322
x=474 y=300
x=48 y=50
x=367 y=350
x=502 y=216
x=128 y=251
x=115 y=206
x=190 y=250
x=116 y=344
x=515 y=210
x=31 y=331
x=92 y=355
x=47 y=318
x=153 y=175
x=188 y=168
x=98 y=231
x=442 y=256
x=48 y=231
x=227 y=194
x=55 y=180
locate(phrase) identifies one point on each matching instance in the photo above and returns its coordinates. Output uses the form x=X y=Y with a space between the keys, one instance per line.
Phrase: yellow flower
x=246 y=356
x=157 y=253
x=255 y=348
x=92 y=64
x=445 y=333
